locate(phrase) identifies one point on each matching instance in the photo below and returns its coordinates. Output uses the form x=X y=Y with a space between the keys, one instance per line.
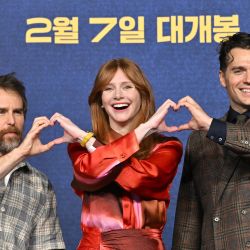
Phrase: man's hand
x=31 y=144
x=199 y=121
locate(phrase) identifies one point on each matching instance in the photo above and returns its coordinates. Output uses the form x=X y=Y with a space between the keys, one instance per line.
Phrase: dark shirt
x=218 y=129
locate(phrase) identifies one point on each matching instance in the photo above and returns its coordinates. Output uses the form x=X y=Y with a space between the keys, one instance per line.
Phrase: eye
x=19 y=112
x=128 y=86
x=2 y=111
x=108 y=88
x=238 y=71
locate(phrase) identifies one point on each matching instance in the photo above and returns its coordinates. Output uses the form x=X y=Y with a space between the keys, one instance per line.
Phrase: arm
x=152 y=176
x=96 y=169
x=115 y=162
x=72 y=133
x=237 y=137
x=188 y=217
x=31 y=145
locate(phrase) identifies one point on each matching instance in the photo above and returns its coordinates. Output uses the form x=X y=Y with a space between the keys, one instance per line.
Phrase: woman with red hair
x=124 y=168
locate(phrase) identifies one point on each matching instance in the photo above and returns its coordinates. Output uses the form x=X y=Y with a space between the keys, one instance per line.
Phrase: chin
x=6 y=147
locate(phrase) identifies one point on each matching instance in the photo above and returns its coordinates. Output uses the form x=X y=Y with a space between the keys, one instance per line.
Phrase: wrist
x=208 y=124
x=141 y=131
x=84 y=140
x=19 y=154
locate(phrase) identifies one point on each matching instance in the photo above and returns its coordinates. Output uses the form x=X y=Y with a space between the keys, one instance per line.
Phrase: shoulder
x=35 y=178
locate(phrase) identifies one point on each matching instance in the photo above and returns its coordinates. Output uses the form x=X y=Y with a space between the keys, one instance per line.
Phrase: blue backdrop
x=56 y=48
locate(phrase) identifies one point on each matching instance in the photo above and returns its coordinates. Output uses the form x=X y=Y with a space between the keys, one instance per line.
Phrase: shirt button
x=216 y=219
x=123 y=155
x=219 y=139
x=3 y=209
x=248 y=244
x=211 y=137
x=246 y=142
x=242 y=141
x=244 y=211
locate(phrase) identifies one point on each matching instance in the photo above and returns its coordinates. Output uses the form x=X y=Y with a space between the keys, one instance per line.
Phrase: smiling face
x=236 y=79
x=121 y=101
x=11 y=120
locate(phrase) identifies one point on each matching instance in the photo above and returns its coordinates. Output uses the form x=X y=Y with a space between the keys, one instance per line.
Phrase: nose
x=118 y=94
x=10 y=119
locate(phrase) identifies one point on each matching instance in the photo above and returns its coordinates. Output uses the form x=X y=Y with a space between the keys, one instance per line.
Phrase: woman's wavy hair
x=100 y=120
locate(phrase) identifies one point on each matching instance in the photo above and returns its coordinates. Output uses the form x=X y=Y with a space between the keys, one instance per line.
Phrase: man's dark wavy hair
x=10 y=82
x=238 y=40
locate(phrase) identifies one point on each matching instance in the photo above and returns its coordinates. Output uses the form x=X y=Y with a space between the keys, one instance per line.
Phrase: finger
x=46 y=147
x=172 y=129
x=165 y=107
x=35 y=130
x=187 y=105
x=184 y=127
x=60 y=140
x=188 y=100
x=40 y=119
x=57 y=117
x=165 y=128
x=168 y=103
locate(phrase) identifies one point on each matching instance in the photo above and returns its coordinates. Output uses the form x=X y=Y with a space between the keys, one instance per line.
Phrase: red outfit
x=122 y=192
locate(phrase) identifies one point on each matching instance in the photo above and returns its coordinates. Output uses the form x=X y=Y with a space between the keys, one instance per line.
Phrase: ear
x=222 y=79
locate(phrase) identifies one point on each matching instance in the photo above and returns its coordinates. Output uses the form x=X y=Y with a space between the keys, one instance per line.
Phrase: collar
x=113 y=135
x=7 y=177
x=232 y=115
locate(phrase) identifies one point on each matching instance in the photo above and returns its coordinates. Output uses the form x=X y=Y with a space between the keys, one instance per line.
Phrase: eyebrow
x=121 y=82
x=15 y=110
x=238 y=67
x=19 y=109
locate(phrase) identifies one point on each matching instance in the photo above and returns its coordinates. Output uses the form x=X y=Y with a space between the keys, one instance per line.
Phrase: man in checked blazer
x=213 y=208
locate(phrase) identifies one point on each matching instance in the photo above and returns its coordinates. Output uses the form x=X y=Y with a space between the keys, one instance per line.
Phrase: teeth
x=121 y=105
x=246 y=90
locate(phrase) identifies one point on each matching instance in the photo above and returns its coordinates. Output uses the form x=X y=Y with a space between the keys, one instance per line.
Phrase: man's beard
x=8 y=144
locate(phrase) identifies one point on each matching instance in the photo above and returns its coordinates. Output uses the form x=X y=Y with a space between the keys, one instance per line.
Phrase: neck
x=122 y=129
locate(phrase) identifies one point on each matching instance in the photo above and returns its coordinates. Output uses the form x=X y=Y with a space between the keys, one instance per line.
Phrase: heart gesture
x=32 y=145
x=199 y=121
x=157 y=121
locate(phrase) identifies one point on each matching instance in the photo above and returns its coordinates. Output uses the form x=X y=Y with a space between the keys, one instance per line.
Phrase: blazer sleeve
x=115 y=162
x=238 y=138
x=188 y=217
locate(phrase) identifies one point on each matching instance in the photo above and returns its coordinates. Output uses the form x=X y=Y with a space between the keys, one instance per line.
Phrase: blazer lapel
x=230 y=163
x=226 y=169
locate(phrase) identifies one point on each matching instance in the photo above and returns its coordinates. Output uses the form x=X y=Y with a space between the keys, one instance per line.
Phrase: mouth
x=245 y=90
x=10 y=133
x=120 y=106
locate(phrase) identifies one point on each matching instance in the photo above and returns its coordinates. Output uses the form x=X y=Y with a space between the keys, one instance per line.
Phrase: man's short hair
x=238 y=40
x=10 y=82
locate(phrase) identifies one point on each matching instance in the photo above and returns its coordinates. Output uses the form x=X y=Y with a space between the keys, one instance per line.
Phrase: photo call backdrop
x=56 y=48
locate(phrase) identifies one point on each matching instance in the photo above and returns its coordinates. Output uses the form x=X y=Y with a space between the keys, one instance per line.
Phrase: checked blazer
x=213 y=208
